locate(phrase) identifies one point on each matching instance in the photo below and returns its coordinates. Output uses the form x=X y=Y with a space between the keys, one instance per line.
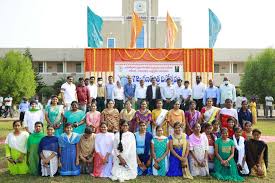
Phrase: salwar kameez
x=33 y=156
x=15 y=146
x=160 y=147
x=68 y=154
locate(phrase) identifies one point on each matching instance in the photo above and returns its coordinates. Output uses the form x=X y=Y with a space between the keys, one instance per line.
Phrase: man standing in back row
x=227 y=91
x=153 y=94
x=198 y=93
x=68 y=93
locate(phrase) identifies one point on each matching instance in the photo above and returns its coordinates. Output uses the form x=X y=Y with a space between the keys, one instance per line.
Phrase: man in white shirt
x=68 y=93
x=140 y=93
x=1 y=105
x=268 y=105
x=178 y=89
x=198 y=93
x=8 y=105
x=118 y=96
x=227 y=91
x=92 y=88
x=168 y=95
x=185 y=95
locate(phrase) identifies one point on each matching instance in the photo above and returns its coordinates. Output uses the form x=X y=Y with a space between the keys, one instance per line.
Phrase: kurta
x=103 y=144
x=54 y=114
x=68 y=154
x=111 y=118
x=226 y=173
x=76 y=117
x=47 y=146
x=16 y=146
x=127 y=116
x=33 y=156
x=93 y=119
x=160 y=117
x=160 y=145
x=199 y=146
x=128 y=154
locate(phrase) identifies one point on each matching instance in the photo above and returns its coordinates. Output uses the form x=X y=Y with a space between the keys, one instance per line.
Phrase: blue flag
x=94 y=27
x=214 y=28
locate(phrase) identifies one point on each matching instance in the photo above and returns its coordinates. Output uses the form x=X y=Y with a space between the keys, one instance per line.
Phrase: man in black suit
x=153 y=93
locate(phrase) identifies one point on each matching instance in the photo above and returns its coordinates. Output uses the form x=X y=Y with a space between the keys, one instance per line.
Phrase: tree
x=259 y=75
x=16 y=76
x=38 y=78
x=57 y=85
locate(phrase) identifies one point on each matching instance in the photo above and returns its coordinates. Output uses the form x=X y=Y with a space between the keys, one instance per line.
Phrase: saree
x=54 y=114
x=191 y=120
x=128 y=172
x=47 y=146
x=33 y=156
x=76 y=117
x=68 y=154
x=103 y=145
x=15 y=147
x=111 y=118
x=142 y=116
x=160 y=117
x=256 y=152
x=93 y=119
x=210 y=114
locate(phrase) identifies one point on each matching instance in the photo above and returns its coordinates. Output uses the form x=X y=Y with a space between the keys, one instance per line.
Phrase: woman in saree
x=75 y=117
x=253 y=109
x=159 y=117
x=128 y=112
x=125 y=161
x=227 y=112
x=209 y=112
x=103 y=158
x=179 y=150
x=16 y=151
x=192 y=117
x=175 y=115
x=86 y=148
x=93 y=118
x=142 y=115
x=110 y=115
x=68 y=150
x=224 y=164
x=198 y=152
x=48 y=152
x=256 y=152
x=239 y=154
x=159 y=151
x=143 y=141
x=32 y=148
x=54 y=115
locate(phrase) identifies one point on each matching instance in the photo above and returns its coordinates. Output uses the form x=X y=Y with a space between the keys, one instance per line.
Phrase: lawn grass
x=266 y=127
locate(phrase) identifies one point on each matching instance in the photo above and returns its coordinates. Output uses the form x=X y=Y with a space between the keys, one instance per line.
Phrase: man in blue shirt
x=212 y=92
x=23 y=107
x=129 y=91
x=109 y=89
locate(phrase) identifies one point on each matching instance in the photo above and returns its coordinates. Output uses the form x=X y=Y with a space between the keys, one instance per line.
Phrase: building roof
x=50 y=54
x=234 y=54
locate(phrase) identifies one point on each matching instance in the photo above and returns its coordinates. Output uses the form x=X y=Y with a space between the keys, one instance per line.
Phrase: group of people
x=121 y=143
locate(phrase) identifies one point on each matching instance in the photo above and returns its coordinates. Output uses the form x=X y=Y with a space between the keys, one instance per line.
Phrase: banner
x=140 y=70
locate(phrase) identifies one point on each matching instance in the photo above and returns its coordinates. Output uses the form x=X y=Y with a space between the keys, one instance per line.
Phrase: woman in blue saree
x=68 y=151
x=76 y=117
x=143 y=141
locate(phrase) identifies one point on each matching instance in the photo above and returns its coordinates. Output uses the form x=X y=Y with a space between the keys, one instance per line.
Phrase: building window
x=78 y=68
x=216 y=68
x=140 y=39
x=40 y=67
x=60 y=67
x=111 y=43
x=235 y=68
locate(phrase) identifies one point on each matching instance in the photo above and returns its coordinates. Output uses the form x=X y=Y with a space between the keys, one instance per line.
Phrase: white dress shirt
x=179 y=92
x=154 y=92
x=227 y=92
x=140 y=92
x=186 y=92
x=93 y=90
x=118 y=93
x=69 y=91
x=198 y=91
x=168 y=92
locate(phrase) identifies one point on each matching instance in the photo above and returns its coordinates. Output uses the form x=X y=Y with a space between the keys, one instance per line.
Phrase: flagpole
x=149 y=24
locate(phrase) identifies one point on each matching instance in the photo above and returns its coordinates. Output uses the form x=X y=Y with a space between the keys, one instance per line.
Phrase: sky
x=62 y=23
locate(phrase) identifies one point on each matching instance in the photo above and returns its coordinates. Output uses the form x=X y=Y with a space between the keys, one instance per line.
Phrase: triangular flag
x=136 y=28
x=214 y=28
x=94 y=27
x=172 y=31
